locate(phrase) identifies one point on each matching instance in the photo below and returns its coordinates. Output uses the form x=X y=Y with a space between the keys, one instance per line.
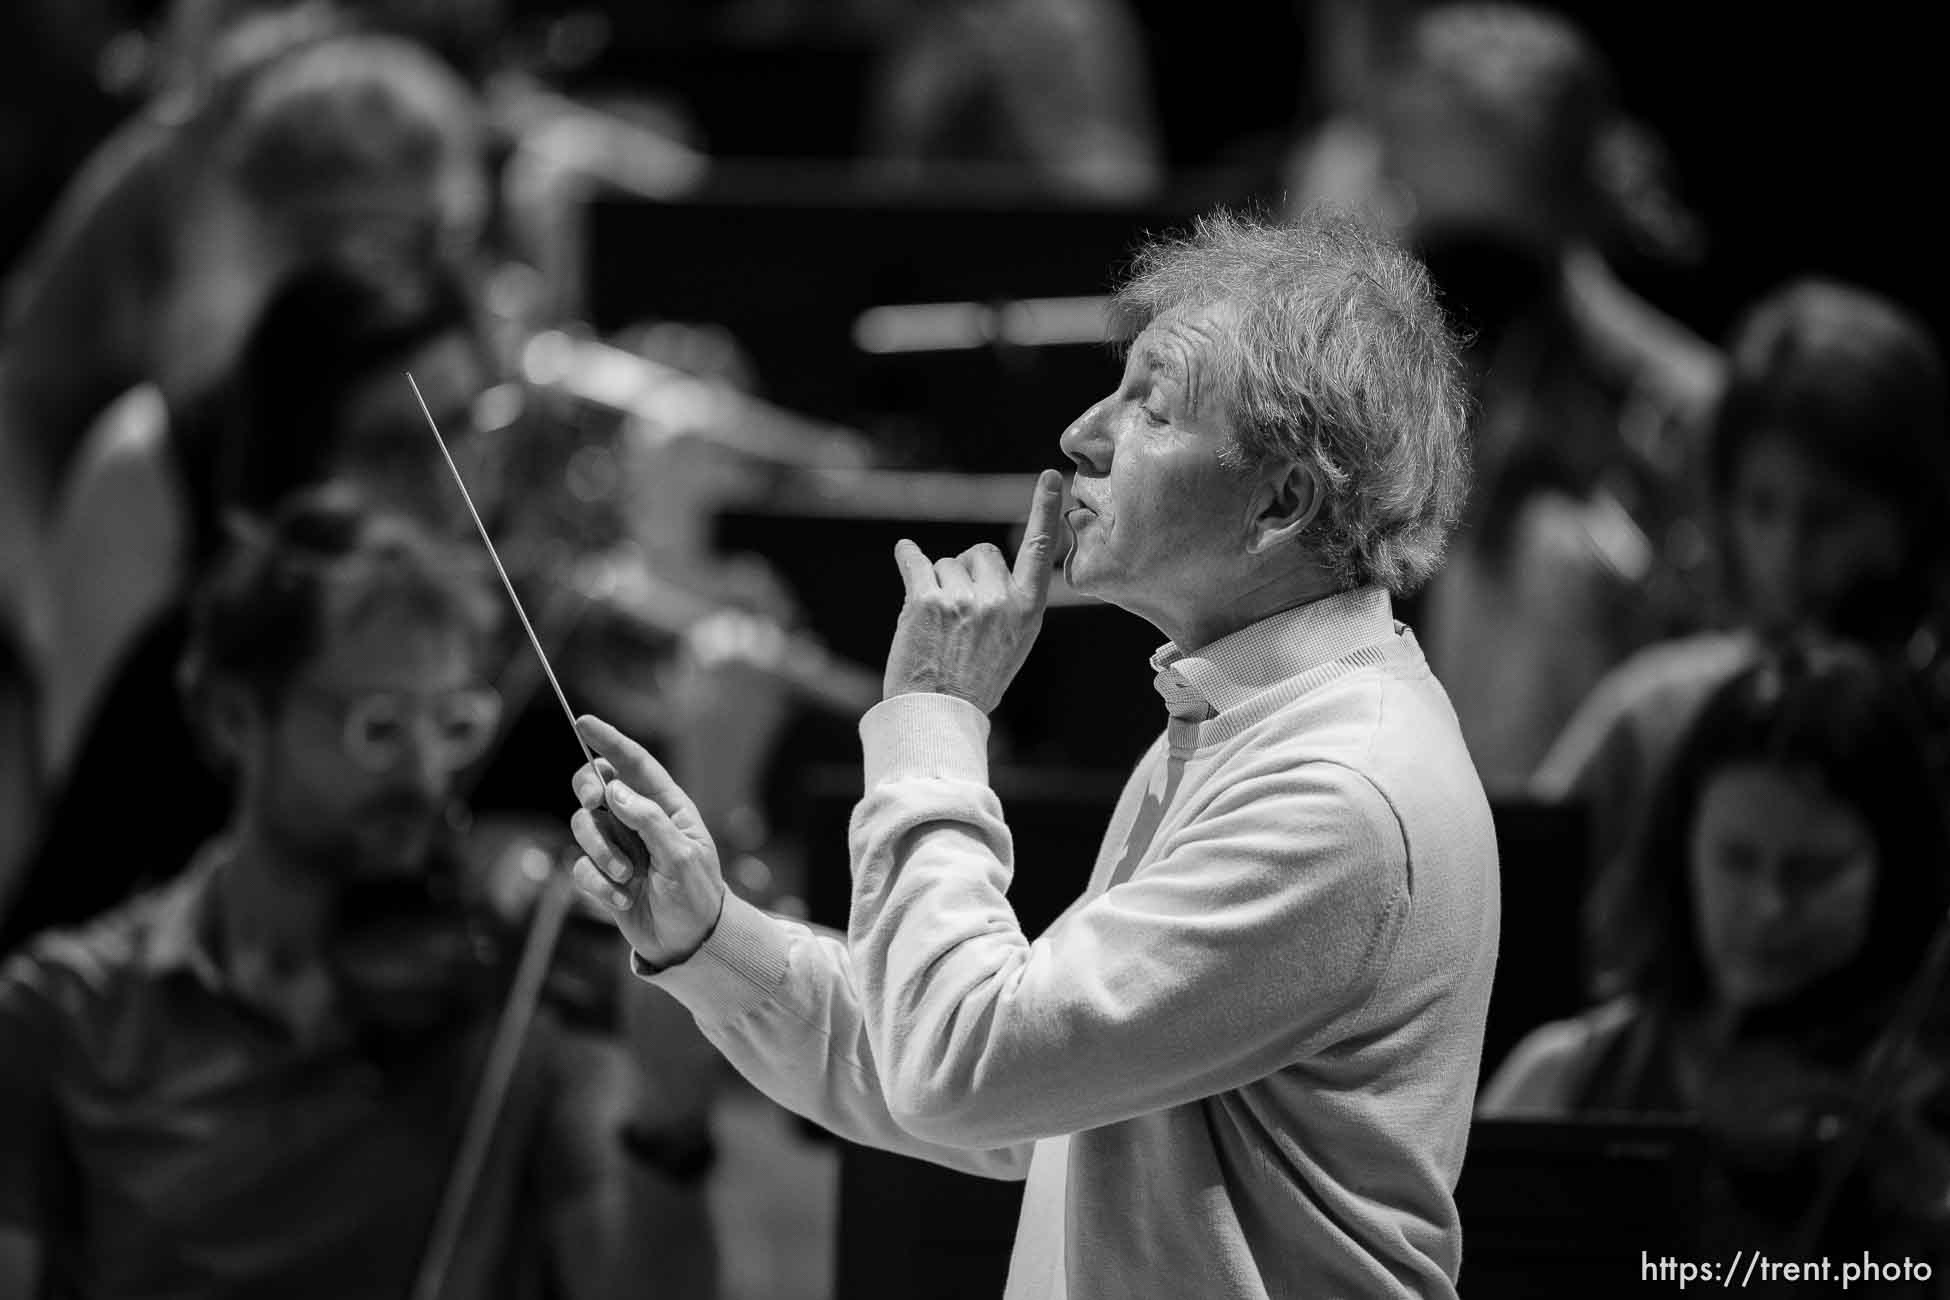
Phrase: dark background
x=1808 y=138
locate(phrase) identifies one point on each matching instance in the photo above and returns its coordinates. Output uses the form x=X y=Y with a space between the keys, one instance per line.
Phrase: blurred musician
x=306 y=141
x=1497 y=133
x=1777 y=978
x=250 y=1082
x=317 y=393
x=1829 y=483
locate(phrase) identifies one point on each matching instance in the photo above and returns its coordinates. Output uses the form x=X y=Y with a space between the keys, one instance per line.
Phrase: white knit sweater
x=1244 y=1060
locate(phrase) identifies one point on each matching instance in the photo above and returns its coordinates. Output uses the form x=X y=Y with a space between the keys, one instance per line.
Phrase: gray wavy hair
x=1339 y=359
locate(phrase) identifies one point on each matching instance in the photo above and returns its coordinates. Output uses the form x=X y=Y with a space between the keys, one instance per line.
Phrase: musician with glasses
x=251 y=1080
x=317 y=394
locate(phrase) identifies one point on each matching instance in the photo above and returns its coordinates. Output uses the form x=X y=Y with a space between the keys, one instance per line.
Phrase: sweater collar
x=1277 y=648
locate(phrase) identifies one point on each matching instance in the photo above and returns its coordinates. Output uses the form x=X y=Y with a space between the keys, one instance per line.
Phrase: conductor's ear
x=1288 y=500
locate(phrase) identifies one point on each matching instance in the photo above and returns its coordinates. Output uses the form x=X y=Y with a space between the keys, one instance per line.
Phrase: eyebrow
x=1175 y=371
x=1155 y=359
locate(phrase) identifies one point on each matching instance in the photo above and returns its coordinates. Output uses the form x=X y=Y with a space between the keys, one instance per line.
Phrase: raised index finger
x=1032 y=571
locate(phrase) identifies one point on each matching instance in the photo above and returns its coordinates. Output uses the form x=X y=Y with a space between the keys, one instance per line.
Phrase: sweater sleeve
x=1255 y=935
x=780 y=1001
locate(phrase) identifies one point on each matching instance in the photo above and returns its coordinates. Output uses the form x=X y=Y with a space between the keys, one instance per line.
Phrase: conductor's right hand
x=668 y=912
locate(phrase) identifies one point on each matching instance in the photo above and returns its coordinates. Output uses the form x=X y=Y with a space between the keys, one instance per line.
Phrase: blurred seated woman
x=1829 y=474
x=1779 y=982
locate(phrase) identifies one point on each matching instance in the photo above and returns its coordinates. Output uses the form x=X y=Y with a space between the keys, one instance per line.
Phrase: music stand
x=789 y=268
x=1575 y=1206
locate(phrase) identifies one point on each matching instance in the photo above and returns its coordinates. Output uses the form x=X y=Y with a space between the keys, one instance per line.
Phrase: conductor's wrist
x=716 y=912
x=667 y=958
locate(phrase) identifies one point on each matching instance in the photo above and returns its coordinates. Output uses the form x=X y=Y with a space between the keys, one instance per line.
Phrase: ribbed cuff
x=925 y=735
x=735 y=971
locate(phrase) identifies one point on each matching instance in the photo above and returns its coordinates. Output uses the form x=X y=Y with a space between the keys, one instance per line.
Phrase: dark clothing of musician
x=158 y=826
x=165 y=1134
x=1758 y=1103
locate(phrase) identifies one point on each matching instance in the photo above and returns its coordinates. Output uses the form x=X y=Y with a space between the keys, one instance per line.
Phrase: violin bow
x=497 y=1077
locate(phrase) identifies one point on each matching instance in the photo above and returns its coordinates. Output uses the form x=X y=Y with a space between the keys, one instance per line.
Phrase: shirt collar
x=184 y=920
x=1260 y=655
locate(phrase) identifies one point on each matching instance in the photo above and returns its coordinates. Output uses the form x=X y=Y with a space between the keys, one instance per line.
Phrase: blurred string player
x=1828 y=485
x=650 y=628
x=297 y=138
x=271 y=135
x=601 y=515
x=1492 y=138
x=1781 y=940
x=146 y=517
x=328 y=963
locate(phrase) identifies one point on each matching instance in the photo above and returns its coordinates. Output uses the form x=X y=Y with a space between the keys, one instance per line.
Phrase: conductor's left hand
x=967 y=622
x=668 y=913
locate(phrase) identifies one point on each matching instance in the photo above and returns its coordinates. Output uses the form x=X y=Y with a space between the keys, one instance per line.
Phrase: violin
x=1806 y=1141
x=413 y=957
x=415 y=954
x=1778 y=1125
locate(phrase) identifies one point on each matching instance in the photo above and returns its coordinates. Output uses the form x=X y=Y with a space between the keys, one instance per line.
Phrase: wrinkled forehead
x=1195 y=346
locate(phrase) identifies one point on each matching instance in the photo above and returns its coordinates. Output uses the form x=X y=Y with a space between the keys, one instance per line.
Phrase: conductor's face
x=1159 y=520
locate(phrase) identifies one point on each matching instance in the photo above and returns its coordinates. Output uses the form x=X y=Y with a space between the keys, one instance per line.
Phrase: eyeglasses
x=376 y=728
